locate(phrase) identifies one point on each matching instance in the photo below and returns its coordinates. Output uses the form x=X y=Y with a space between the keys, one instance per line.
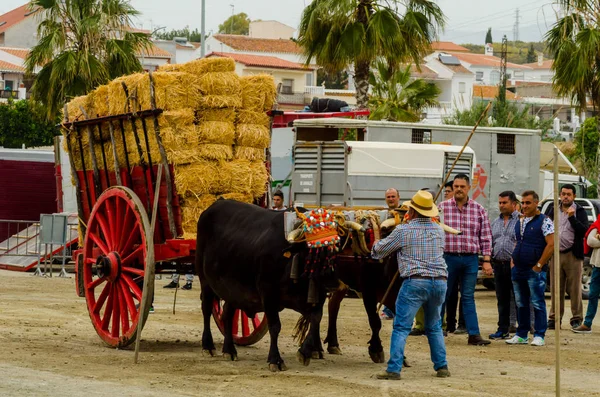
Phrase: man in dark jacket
x=572 y=225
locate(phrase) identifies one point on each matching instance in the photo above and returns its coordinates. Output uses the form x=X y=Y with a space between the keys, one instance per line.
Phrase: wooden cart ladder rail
x=164 y=161
x=97 y=183
x=115 y=156
x=74 y=174
x=88 y=191
x=129 y=168
x=138 y=145
x=99 y=125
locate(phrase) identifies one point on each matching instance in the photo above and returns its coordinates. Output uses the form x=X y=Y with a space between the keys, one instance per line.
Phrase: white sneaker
x=538 y=341
x=517 y=340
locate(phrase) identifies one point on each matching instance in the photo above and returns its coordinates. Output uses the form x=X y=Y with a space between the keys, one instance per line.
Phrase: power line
x=500 y=14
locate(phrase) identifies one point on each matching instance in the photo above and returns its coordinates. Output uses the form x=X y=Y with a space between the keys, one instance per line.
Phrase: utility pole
x=502 y=85
x=202 y=30
x=516 y=27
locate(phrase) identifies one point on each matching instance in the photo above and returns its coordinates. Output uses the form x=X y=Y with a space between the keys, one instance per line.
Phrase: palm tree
x=397 y=97
x=574 y=41
x=338 y=33
x=82 y=44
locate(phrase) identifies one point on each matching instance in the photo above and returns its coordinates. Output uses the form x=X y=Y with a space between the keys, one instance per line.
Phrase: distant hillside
x=517 y=52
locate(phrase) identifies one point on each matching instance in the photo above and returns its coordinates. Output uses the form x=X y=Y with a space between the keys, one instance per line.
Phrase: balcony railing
x=297 y=98
x=6 y=94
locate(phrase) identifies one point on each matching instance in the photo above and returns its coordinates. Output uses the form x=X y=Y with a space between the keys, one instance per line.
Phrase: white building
x=540 y=71
x=270 y=30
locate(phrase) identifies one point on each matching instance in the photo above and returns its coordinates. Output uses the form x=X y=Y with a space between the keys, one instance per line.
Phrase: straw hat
x=422 y=202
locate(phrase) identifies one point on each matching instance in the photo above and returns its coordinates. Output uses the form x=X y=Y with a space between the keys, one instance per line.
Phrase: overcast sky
x=468 y=20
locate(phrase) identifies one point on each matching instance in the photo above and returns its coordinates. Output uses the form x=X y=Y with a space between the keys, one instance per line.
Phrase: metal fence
x=16 y=237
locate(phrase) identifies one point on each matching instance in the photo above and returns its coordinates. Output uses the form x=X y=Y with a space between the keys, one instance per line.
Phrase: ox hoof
x=302 y=359
x=230 y=357
x=317 y=355
x=278 y=367
x=209 y=352
x=334 y=350
x=378 y=358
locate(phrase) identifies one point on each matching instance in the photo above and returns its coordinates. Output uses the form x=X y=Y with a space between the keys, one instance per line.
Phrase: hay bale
x=169 y=67
x=212 y=151
x=74 y=108
x=191 y=209
x=252 y=135
x=173 y=91
x=260 y=178
x=253 y=117
x=177 y=117
x=220 y=83
x=202 y=177
x=248 y=153
x=100 y=99
x=219 y=102
x=235 y=177
x=242 y=197
x=209 y=65
x=227 y=115
x=258 y=92
x=218 y=132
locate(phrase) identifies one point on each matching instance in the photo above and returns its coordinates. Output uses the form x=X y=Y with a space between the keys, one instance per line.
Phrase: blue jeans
x=530 y=285
x=463 y=270
x=593 y=297
x=413 y=294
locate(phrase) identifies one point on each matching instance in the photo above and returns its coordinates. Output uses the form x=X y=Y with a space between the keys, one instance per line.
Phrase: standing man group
x=462 y=251
x=572 y=226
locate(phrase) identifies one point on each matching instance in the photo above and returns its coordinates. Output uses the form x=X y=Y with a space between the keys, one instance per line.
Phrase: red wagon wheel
x=246 y=331
x=118 y=252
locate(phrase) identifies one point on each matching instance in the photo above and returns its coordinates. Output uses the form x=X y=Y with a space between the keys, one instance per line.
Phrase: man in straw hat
x=419 y=245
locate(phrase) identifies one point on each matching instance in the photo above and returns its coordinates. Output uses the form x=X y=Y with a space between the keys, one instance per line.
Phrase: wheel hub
x=109 y=266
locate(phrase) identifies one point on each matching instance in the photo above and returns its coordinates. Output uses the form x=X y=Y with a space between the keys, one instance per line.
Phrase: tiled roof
x=18 y=52
x=547 y=64
x=138 y=30
x=245 y=43
x=447 y=46
x=261 y=61
x=489 y=92
x=529 y=83
x=425 y=73
x=459 y=69
x=156 y=52
x=8 y=67
x=484 y=60
x=15 y=16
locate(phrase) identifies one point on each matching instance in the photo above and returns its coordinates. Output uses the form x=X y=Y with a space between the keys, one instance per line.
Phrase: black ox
x=244 y=258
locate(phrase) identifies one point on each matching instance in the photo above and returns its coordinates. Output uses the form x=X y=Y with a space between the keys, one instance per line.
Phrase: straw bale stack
x=258 y=92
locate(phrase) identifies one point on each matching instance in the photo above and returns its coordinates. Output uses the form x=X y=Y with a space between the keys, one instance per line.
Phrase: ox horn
x=294 y=235
x=388 y=223
x=354 y=226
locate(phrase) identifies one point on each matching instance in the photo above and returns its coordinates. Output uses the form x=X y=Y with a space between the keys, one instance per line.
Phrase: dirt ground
x=49 y=348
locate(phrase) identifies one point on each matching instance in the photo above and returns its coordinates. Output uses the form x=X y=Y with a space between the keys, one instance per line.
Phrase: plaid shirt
x=504 y=237
x=420 y=248
x=472 y=220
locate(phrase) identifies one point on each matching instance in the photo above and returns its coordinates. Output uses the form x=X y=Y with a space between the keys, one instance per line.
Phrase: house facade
x=290 y=77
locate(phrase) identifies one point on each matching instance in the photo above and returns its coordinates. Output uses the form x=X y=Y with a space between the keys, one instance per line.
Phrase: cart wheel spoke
x=133 y=287
x=101 y=299
x=96 y=282
x=109 y=308
x=131 y=239
x=111 y=216
x=245 y=325
x=128 y=228
x=133 y=270
x=98 y=242
x=103 y=225
x=137 y=253
x=116 y=316
x=236 y=322
x=130 y=304
x=256 y=321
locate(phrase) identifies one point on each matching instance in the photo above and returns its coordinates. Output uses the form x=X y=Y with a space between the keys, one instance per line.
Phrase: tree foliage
x=339 y=33
x=82 y=44
x=517 y=52
x=488 y=37
x=586 y=143
x=191 y=35
x=338 y=80
x=531 y=55
x=508 y=114
x=25 y=123
x=236 y=24
x=398 y=97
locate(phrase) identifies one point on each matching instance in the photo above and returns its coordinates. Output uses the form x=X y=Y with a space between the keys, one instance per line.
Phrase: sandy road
x=49 y=348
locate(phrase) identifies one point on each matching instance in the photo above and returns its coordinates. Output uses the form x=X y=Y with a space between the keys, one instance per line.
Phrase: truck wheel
x=586 y=277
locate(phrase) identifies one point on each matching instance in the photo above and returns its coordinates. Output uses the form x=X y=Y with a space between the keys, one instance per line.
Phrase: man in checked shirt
x=419 y=245
x=461 y=251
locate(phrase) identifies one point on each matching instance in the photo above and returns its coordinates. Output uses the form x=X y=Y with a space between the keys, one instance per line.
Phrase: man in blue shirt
x=419 y=246
x=503 y=244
